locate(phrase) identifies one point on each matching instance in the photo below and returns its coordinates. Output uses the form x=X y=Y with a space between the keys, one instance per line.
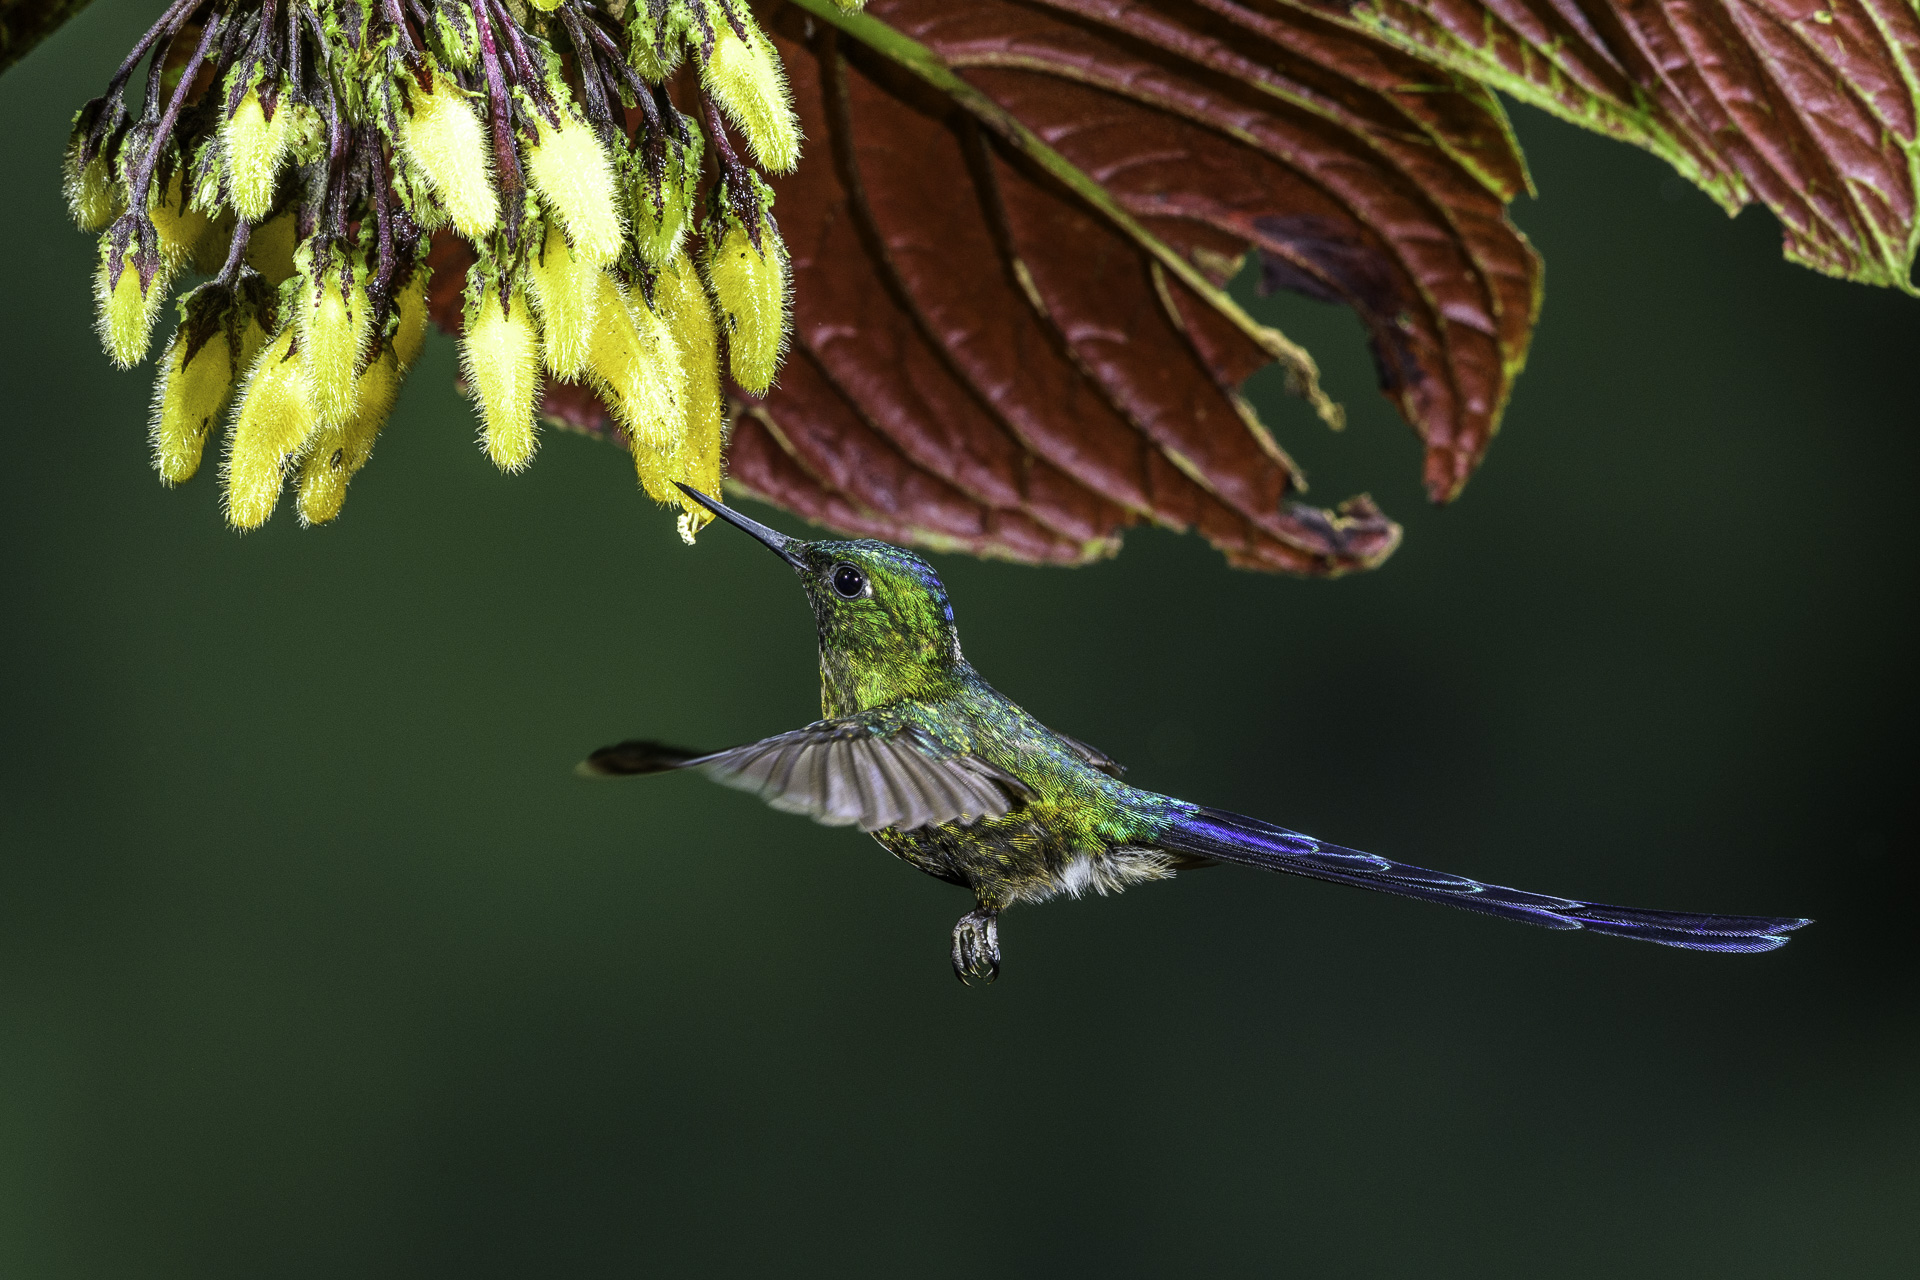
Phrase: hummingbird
x=953 y=778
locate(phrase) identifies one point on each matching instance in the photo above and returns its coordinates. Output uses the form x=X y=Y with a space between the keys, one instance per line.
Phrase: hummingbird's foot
x=976 y=947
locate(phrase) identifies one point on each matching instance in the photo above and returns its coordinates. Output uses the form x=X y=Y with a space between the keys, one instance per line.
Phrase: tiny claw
x=976 y=947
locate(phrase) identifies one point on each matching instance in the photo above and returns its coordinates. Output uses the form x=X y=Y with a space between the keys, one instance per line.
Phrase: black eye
x=849 y=581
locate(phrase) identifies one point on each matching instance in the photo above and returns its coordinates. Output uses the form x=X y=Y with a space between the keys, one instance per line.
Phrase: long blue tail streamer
x=1229 y=837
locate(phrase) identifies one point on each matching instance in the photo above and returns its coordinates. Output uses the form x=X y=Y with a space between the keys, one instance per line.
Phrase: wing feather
x=768 y=771
x=933 y=793
x=898 y=794
x=770 y=774
x=874 y=797
x=902 y=796
x=855 y=772
x=944 y=791
x=839 y=769
x=801 y=775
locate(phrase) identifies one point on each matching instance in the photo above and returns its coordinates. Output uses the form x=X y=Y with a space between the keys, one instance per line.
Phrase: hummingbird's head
x=886 y=627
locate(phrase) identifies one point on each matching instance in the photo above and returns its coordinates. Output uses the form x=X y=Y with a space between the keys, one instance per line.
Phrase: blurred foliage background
x=316 y=959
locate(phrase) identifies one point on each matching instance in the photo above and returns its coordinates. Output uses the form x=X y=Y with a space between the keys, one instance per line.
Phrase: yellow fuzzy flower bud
x=654 y=469
x=662 y=212
x=745 y=78
x=274 y=420
x=270 y=248
x=657 y=54
x=566 y=294
x=126 y=309
x=443 y=137
x=180 y=226
x=336 y=454
x=253 y=340
x=410 y=334
x=658 y=229
x=197 y=373
x=752 y=291
x=500 y=355
x=256 y=149
x=335 y=324
x=209 y=252
x=192 y=389
x=634 y=363
x=458 y=37
x=93 y=196
x=569 y=168
x=696 y=459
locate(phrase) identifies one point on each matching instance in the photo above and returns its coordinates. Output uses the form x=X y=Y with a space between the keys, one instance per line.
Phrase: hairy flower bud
x=459 y=38
x=194 y=386
x=663 y=207
x=566 y=294
x=93 y=196
x=182 y=229
x=270 y=248
x=335 y=454
x=253 y=337
x=256 y=149
x=659 y=40
x=500 y=355
x=335 y=322
x=217 y=337
x=127 y=304
x=410 y=311
x=634 y=364
x=442 y=135
x=209 y=252
x=570 y=170
x=745 y=78
x=274 y=420
x=335 y=166
x=751 y=288
x=696 y=457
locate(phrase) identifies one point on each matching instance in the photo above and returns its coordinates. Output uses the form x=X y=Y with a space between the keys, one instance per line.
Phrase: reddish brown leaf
x=1805 y=105
x=1008 y=268
x=1321 y=170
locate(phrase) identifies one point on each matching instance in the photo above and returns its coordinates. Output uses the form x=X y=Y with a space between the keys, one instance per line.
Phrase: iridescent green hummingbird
x=952 y=777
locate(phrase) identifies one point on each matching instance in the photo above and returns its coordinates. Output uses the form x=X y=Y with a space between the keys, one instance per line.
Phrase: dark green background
x=316 y=959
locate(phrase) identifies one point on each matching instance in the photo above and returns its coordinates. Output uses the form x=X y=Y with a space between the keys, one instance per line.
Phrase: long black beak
x=778 y=543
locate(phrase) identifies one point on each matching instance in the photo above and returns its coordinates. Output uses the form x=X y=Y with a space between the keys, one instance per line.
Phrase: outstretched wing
x=846 y=772
x=1214 y=833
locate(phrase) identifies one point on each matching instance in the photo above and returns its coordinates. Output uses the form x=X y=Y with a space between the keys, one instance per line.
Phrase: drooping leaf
x=1010 y=238
x=1805 y=105
x=1010 y=270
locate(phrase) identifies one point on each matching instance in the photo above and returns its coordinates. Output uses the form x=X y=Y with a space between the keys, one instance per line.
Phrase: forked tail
x=1229 y=837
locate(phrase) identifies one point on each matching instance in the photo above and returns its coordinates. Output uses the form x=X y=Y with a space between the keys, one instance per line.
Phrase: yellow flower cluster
x=302 y=153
